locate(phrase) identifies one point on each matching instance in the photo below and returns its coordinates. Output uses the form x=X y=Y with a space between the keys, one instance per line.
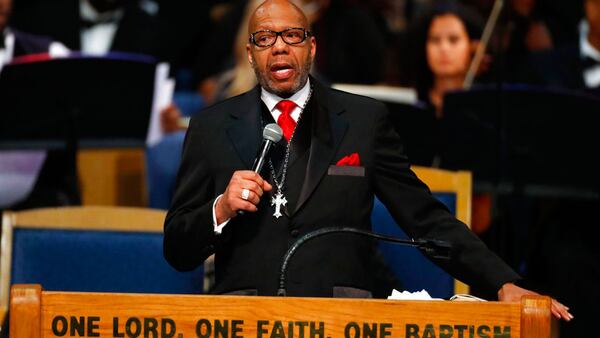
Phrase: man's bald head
x=271 y=8
x=282 y=64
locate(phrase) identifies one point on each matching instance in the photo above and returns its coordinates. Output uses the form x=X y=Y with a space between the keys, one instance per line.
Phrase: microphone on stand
x=433 y=248
x=271 y=135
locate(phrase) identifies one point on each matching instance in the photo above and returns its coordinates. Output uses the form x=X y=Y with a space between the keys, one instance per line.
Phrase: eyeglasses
x=291 y=36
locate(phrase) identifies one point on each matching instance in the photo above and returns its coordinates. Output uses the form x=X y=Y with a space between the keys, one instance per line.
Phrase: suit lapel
x=328 y=129
x=244 y=130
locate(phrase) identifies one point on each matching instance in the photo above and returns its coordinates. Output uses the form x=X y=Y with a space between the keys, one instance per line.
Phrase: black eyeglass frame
x=306 y=34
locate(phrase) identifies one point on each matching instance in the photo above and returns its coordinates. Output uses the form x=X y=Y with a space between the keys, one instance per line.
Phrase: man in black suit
x=341 y=150
x=95 y=26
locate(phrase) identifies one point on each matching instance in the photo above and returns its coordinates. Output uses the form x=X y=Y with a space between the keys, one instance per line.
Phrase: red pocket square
x=351 y=160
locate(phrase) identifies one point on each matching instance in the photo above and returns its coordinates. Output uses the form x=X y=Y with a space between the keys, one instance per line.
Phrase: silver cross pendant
x=278 y=201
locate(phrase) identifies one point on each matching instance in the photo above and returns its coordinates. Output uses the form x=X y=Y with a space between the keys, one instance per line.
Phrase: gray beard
x=268 y=85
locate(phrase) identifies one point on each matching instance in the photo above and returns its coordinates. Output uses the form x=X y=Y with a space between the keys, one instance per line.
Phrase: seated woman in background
x=448 y=39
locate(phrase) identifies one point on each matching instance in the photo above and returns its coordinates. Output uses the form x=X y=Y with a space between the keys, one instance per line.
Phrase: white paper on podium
x=18 y=173
x=405 y=295
x=163 y=96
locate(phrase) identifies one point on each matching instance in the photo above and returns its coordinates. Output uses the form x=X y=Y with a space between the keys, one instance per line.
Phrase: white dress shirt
x=591 y=76
x=6 y=53
x=97 y=40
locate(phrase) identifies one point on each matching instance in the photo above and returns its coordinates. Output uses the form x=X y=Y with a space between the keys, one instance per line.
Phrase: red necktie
x=285 y=120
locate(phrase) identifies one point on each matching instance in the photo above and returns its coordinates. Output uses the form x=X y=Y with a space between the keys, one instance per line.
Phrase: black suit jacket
x=225 y=137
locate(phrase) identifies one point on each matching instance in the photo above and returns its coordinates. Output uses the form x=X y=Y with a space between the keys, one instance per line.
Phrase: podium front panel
x=72 y=314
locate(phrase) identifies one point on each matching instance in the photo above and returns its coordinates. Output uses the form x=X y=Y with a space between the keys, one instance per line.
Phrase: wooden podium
x=35 y=313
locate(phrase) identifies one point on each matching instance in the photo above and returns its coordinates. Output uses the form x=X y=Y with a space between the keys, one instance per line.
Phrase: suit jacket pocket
x=346 y=170
x=350 y=292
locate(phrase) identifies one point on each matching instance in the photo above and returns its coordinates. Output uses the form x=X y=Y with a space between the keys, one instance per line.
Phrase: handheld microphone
x=271 y=134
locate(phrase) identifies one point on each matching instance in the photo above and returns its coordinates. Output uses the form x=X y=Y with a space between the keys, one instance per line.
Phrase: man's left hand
x=512 y=293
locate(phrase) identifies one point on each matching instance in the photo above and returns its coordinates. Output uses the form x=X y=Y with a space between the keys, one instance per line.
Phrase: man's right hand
x=232 y=199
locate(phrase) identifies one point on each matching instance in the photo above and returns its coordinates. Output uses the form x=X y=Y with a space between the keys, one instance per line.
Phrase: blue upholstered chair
x=163 y=158
x=96 y=249
x=162 y=163
x=409 y=265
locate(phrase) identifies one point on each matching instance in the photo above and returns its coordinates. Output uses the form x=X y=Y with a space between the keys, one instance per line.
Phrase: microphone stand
x=433 y=248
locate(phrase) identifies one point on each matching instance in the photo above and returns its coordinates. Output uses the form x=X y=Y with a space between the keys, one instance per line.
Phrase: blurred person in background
x=448 y=39
x=96 y=26
x=523 y=30
x=527 y=30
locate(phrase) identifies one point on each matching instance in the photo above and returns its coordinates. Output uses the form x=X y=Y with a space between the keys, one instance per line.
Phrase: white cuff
x=218 y=227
